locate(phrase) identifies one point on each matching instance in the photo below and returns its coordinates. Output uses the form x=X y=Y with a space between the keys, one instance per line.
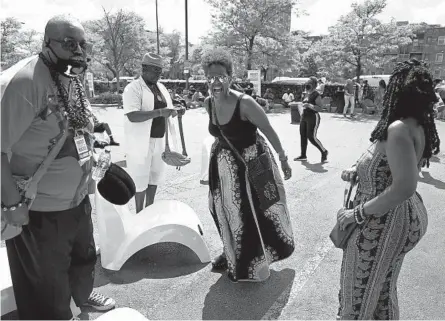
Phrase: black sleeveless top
x=158 y=125
x=311 y=100
x=241 y=133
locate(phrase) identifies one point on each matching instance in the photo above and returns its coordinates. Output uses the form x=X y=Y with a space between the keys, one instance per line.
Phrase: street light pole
x=157 y=27
x=186 y=46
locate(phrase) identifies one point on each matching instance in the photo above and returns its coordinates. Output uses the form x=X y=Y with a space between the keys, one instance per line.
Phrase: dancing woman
x=310 y=121
x=390 y=213
x=252 y=238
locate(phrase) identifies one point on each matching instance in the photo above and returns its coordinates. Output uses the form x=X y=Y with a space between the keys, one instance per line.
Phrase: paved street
x=168 y=282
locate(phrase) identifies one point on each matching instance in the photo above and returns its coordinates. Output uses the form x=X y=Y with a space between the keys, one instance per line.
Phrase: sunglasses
x=70 y=44
x=211 y=80
x=153 y=69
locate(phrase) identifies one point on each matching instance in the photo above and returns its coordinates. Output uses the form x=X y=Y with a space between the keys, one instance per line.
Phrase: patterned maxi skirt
x=231 y=210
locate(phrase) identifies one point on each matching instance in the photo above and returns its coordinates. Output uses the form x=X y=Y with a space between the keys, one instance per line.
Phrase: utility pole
x=186 y=71
x=157 y=27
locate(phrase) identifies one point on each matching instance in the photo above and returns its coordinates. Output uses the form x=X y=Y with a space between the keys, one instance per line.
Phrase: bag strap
x=181 y=133
x=43 y=167
x=348 y=192
x=167 y=147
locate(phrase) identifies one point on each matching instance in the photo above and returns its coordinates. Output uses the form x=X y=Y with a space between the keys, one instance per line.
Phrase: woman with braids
x=390 y=215
x=253 y=236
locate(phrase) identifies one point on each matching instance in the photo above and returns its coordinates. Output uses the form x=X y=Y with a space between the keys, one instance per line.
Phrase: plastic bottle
x=102 y=165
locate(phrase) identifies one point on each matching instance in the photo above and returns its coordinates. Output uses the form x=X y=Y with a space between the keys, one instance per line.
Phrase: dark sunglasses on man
x=153 y=69
x=72 y=45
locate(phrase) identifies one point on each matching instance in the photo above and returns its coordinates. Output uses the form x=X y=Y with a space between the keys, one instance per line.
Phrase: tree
x=244 y=25
x=16 y=43
x=120 y=41
x=359 y=39
x=173 y=51
x=278 y=56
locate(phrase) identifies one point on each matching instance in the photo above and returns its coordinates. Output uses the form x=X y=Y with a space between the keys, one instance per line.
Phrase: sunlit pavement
x=168 y=282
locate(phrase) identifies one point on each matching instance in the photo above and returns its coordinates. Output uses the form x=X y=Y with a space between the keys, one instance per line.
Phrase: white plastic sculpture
x=205 y=159
x=123 y=233
x=8 y=298
x=122 y=314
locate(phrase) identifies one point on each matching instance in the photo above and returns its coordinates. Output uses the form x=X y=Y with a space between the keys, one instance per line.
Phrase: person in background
x=42 y=102
x=310 y=121
x=321 y=85
x=288 y=97
x=269 y=96
x=100 y=127
x=252 y=238
x=147 y=104
x=440 y=106
x=390 y=215
x=349 y=97
x=379 y=96
x=249 y=89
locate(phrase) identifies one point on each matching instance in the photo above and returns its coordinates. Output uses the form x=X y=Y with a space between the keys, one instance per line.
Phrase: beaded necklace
x=77 y=114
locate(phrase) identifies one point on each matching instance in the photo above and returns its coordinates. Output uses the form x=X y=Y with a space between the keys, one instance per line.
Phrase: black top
x=158 y=123
x=241 y=133
x=311 y=98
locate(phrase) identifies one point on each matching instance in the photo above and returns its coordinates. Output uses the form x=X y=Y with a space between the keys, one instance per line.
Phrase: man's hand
x=167 y=112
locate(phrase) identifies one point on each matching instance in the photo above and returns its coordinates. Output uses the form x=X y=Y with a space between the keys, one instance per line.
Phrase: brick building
x=429 y=46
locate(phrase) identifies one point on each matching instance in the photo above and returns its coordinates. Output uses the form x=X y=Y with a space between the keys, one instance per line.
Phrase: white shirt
x=137 y=96
x=288 y=97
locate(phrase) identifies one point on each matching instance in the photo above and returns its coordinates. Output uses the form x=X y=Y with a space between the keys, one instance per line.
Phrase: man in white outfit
x=349 y=97
x=147 y=105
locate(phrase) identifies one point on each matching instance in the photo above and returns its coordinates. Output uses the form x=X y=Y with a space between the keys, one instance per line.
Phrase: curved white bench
x=205 y=158
x=123 y=233
x=8 y=298
x=122 y=314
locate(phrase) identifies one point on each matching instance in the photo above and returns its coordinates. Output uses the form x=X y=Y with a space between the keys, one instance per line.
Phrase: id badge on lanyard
x=82 y=148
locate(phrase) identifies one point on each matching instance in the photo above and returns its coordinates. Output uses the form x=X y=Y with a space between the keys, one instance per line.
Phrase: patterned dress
x=375 y=251
x=230 y=208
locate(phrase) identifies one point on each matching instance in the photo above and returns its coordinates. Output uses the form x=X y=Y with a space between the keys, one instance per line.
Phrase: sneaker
x=300 y=158
x=324 y=156
x=100 y=302
x=100 y=144
x=220 y=263
x=113 y=143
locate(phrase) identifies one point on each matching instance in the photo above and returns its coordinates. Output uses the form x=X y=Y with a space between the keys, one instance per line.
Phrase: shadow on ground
x=428 y=179
x=316 y=167
x=158 y=261
x=358 y=118
x=248 y=301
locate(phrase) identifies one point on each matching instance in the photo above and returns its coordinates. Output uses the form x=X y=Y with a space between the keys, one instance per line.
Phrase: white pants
x=151 y=171
x=349 y=99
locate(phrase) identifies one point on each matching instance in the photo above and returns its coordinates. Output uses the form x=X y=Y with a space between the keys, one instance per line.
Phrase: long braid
x=411 y=75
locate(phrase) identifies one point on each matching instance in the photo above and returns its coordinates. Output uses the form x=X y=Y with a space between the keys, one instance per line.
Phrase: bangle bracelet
x=362 y=211
x=13 y=207
x=356 y=215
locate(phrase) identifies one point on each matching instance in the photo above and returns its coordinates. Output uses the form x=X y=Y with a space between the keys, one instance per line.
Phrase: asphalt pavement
x=167 y=281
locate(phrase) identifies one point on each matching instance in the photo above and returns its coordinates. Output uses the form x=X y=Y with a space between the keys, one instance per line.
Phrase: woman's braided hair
x=410 y=93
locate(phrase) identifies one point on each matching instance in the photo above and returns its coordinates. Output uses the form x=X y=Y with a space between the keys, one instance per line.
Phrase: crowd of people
x=52 y=260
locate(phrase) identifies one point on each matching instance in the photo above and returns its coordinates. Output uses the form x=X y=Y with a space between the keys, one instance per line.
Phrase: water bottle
x=102 y=165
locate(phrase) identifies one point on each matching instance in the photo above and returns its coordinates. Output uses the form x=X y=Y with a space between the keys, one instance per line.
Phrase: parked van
x=373 y=80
